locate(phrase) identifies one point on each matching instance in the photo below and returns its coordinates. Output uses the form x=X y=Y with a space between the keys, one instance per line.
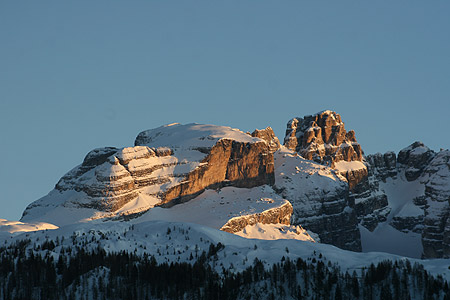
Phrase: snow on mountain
x=393 y=235
x=17 y=227
x=275 y=232
x=412 y=221
x=214 y=208
x=184 y=242
x=183 y=139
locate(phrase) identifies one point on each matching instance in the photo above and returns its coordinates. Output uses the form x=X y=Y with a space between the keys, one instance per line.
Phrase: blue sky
x=86 y=74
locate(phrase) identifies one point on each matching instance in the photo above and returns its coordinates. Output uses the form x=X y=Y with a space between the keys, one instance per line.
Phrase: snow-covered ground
x=174 y=241
x=191 y=136
x=275 y=232
x=345 y=166
x=214 y=208
x=16 y=226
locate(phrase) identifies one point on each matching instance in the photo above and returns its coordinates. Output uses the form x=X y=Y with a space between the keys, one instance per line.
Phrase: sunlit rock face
x=277 y=215
x=232 y=159
x=269 y=136
x=322 y=138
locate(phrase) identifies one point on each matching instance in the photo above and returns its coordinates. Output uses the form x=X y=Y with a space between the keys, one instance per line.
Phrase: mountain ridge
x=333 y=192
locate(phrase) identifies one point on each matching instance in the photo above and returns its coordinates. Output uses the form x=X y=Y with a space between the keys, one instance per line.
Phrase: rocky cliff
x=436 y=226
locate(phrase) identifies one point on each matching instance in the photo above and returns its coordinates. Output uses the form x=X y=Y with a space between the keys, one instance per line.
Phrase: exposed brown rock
x=322 y=138
x=229 y=163
x=269 y=136
x=281 y=214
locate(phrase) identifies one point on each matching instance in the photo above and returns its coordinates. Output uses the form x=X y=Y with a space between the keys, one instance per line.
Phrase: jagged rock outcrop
x=408 y=223
x=269 y=136
x=382 y=166
x=322 y=138
x=415 y=158
x=278 y=215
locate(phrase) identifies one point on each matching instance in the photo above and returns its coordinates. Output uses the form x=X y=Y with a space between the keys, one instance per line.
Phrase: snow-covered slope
x=184 y=242
x=394 y=235
x=214 y=208
x=16 y=226
x=190 y=137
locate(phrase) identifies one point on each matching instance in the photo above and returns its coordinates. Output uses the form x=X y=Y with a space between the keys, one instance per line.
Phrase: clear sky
x=85 y=74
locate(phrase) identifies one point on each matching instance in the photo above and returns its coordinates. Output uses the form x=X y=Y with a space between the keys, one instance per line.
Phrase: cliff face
x=229 y=163
x=436 y=230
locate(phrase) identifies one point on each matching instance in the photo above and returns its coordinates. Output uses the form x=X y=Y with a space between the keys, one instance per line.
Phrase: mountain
x=227 y=203
x=224 y=178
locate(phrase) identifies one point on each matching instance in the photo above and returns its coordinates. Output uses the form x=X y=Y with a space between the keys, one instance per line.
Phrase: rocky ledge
x=277 y=215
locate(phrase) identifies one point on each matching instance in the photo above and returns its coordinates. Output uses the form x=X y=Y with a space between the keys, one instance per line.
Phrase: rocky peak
x=269 y=136
x=415 y=158
x=322 y=137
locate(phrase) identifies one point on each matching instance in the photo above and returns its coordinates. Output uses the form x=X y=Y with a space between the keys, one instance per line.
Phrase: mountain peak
x=322 y=137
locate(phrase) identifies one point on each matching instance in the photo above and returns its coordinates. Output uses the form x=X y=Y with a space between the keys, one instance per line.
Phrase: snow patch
x=345 y=166
x=275 y=232
x=16 y=226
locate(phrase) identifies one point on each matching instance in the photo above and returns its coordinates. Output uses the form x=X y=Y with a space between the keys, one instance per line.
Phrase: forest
x=95 y=274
